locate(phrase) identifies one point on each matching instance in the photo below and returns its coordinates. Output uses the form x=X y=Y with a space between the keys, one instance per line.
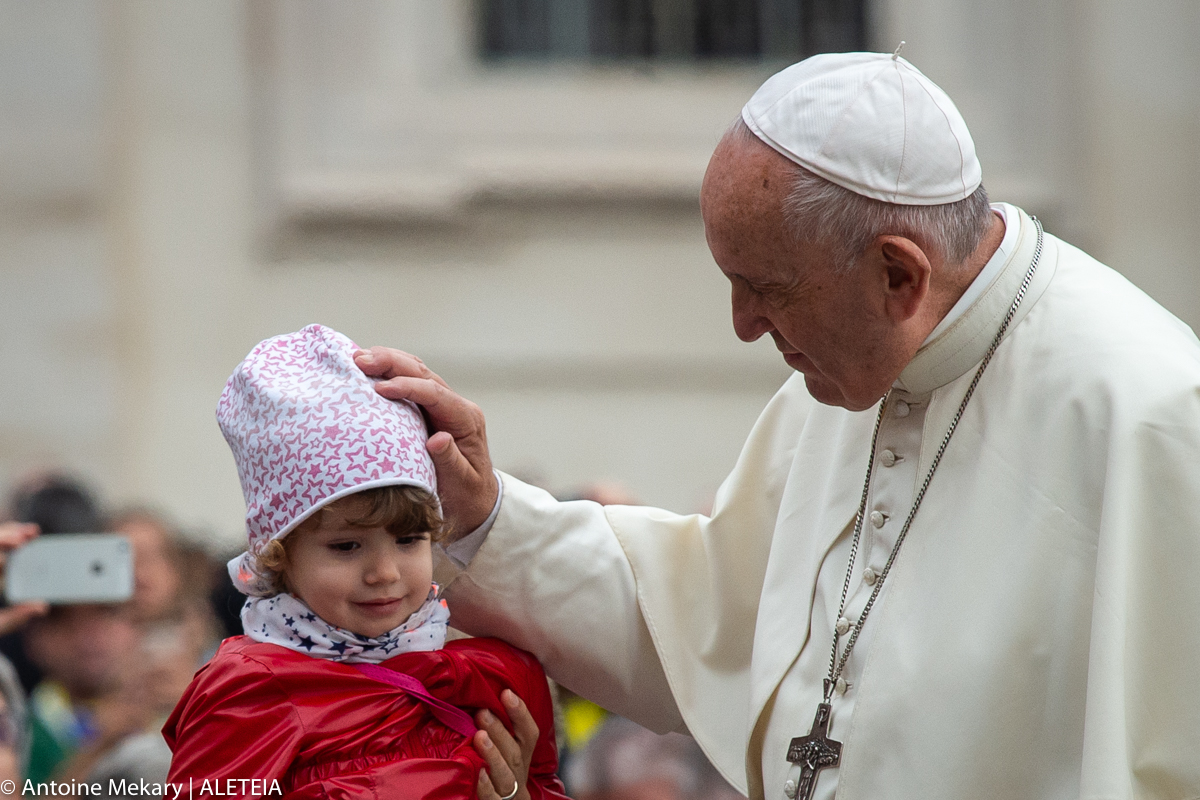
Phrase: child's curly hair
x=402 y=510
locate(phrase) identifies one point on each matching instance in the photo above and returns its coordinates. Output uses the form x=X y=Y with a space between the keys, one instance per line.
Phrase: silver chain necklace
x=816 y=751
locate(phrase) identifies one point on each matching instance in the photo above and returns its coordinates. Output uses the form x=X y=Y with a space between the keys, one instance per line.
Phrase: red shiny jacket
x=325 y=730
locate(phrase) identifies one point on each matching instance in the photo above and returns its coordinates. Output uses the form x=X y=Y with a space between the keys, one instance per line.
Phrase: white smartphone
x=71 y=568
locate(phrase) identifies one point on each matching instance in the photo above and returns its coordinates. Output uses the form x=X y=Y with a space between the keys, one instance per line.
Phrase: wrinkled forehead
x=742 y=203
x=745 y=180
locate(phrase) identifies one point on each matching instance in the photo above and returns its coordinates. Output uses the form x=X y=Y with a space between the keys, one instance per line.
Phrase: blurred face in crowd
x=168 y=657
x=366 y=580
x=83 y=647
x=10 y=764
x=156 y=578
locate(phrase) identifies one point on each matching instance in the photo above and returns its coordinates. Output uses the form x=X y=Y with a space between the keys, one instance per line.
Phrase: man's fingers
x=525 y=729
x=14 y=617
x=509 y=750
x=387 y=362
x=501 y=778
x=449 y=412
x=466 y=485
x=405 y=377
x=483 y=787
x=508 y=755
x=447 y=458
x=15 y=534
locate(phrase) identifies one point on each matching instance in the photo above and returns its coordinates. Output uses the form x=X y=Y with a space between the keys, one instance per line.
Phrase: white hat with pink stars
x=307 y=427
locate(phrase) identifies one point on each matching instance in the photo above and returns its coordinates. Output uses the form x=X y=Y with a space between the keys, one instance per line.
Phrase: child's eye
x=410 y=539
x=343 y=547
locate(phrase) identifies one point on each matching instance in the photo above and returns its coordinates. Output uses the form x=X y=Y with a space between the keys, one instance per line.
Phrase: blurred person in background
x=606 y=493
x=86 y=653
x=172 y=578
x=69 y=661
x=103 y=677
x=157 y=574
x=624 y=761
x=14 y=734
x=175 y=634
x=13 y=741
x=54 y=503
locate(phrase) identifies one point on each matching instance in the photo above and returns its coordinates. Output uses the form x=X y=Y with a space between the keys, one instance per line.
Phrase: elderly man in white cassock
x=957 y=556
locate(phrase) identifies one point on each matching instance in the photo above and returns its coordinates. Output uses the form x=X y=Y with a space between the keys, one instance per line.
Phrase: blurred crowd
x=86 y=688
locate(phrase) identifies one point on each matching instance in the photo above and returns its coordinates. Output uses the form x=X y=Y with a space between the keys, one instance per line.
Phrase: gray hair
x=819 y=211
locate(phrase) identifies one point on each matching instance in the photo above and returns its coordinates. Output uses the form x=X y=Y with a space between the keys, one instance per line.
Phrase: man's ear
x=907 y=271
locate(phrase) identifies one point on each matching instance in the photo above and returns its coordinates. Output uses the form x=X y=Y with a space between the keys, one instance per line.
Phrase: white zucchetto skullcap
x=870 y=122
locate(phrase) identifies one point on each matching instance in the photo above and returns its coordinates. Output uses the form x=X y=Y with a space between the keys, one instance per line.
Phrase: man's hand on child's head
x=466 y=484
x=507 y=755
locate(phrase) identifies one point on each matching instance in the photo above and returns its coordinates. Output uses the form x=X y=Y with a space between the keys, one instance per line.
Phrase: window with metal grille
x=670 y=29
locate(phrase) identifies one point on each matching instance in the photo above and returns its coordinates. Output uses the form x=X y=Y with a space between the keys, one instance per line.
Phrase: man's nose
x=748 y=323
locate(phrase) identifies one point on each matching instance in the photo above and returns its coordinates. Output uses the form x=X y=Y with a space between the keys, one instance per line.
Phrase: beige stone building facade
x=180 y=180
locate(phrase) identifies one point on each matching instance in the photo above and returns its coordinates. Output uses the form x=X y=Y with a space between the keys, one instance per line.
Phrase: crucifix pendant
x=814 y=752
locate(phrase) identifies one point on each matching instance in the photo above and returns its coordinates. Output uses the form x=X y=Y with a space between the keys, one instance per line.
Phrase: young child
x=343 y=686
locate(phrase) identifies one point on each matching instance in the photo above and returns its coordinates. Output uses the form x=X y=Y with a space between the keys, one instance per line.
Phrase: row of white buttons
x=887 y=458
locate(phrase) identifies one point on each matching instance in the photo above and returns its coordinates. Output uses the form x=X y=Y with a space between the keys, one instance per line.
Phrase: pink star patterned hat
x=307 y=427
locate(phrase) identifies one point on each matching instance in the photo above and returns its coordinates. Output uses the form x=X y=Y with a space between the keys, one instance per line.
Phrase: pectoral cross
x=814 y=752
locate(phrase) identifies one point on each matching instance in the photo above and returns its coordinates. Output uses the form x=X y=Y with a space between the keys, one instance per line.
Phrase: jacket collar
x=962 y=346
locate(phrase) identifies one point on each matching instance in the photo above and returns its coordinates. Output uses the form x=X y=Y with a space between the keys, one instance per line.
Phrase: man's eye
x=762 y=290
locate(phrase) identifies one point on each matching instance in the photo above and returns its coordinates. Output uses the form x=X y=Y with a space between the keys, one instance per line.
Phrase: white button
x=878 y=518
x=789 y=788
x=888 y=458
x=901 y=409
x=869 y=576
x=841 y=686
x=843 y=625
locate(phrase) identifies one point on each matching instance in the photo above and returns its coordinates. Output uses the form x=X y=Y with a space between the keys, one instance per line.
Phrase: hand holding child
x=508 y=755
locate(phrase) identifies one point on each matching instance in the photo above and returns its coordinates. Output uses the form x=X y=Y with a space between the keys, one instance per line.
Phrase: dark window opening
x=671 y=29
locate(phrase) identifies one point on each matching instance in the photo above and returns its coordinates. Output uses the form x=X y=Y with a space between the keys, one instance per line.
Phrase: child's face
x=365 y=580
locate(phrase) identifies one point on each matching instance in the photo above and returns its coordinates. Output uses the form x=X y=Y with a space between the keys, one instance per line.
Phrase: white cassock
x=1039 y=634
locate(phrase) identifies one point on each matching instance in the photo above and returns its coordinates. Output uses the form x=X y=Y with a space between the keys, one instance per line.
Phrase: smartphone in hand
x=71 y=568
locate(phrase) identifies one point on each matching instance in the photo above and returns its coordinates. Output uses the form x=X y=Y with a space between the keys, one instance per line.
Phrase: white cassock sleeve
x=640 y=610
x=1142 y=725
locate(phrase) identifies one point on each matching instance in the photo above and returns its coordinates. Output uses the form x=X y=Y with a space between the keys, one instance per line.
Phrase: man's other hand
x=508 y=755
x=466 y=483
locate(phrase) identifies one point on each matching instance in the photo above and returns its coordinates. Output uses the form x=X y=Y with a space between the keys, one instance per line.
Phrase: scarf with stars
x=285 y=620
